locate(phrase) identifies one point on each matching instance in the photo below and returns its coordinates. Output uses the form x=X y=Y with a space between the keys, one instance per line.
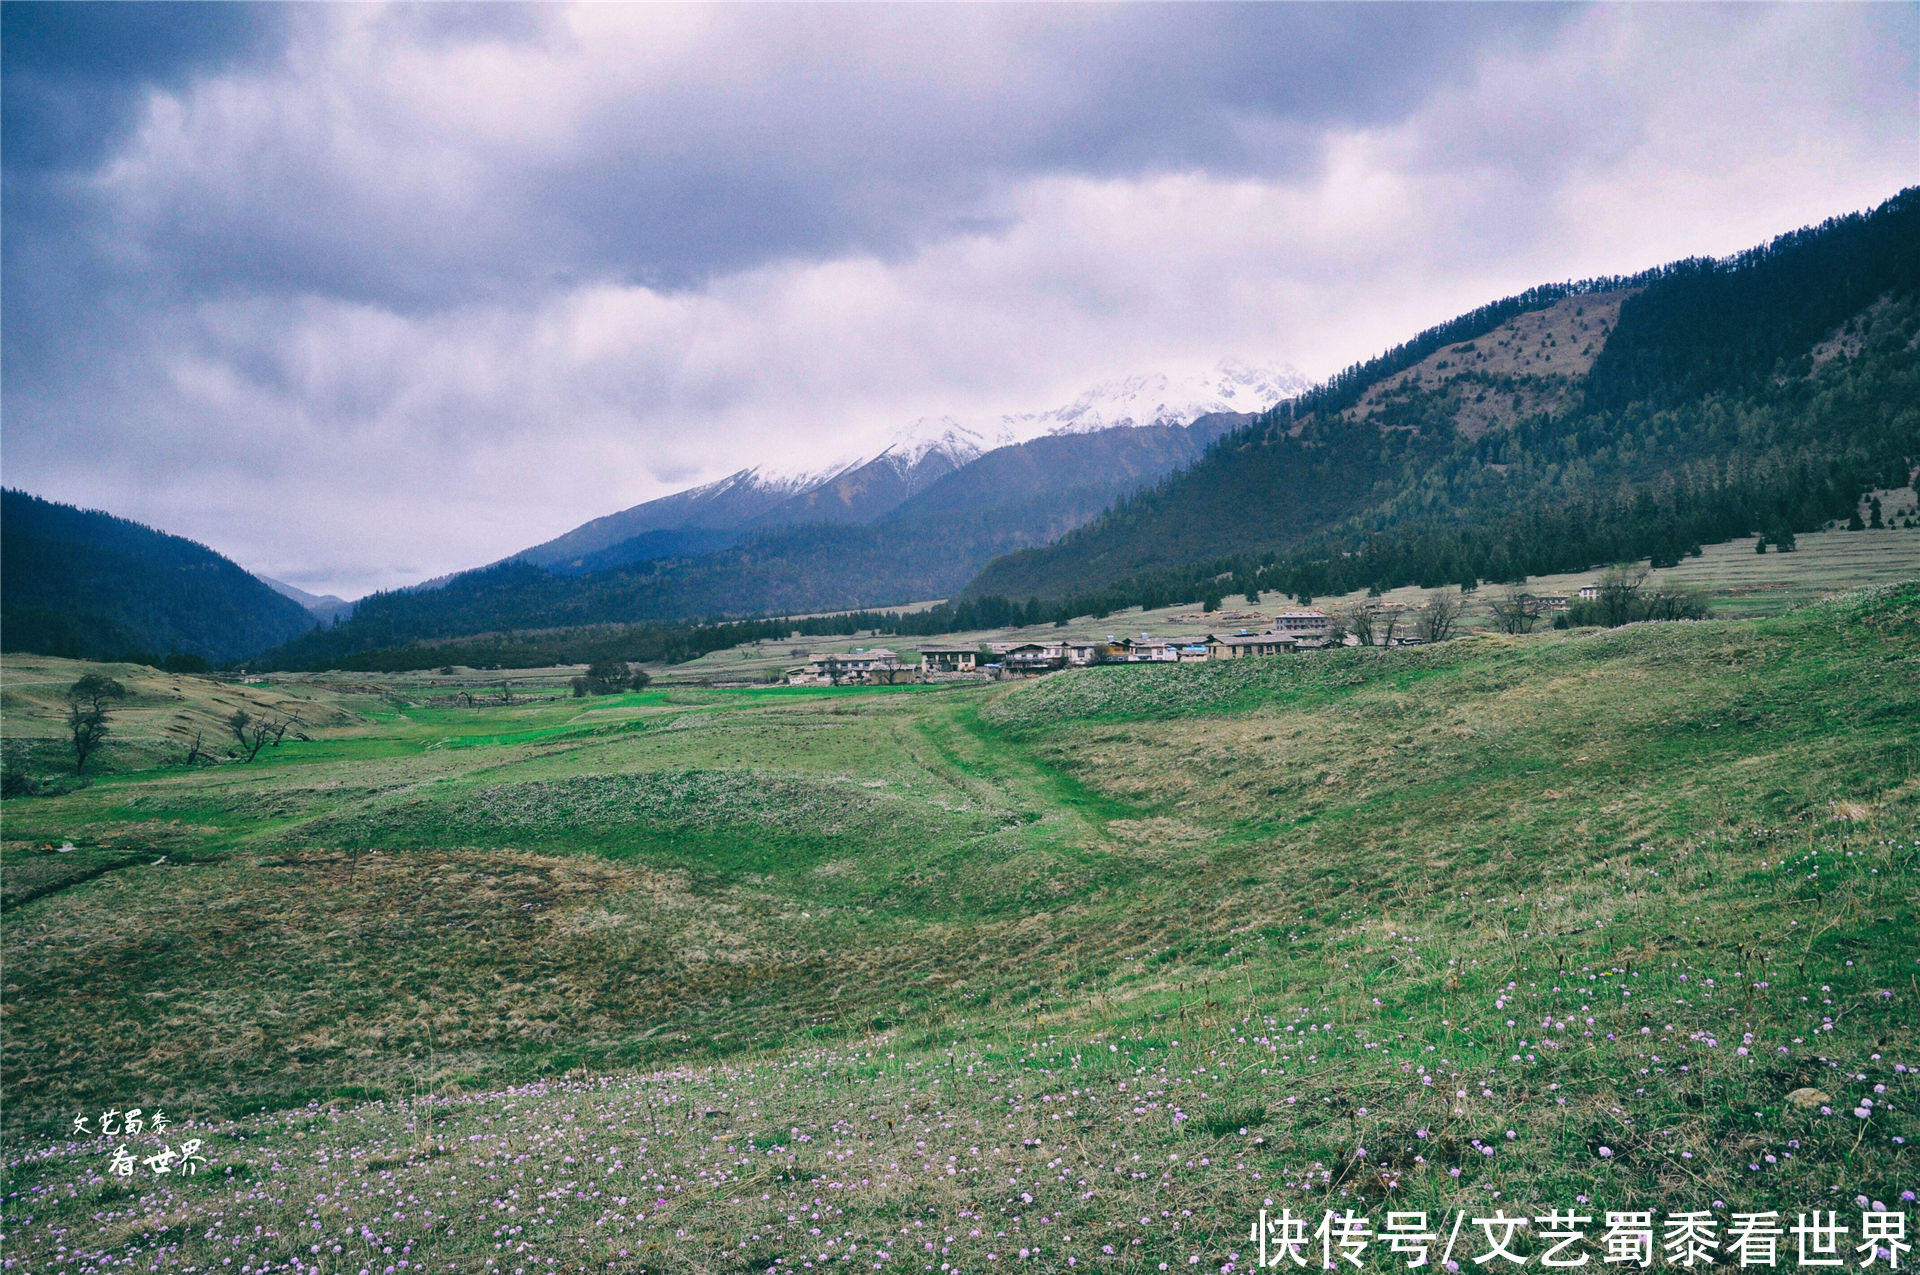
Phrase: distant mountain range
x=710 y=517
x=915 y=520
x=324 y=607
x=1572 y=425
x=866 y=489
x=926 y=546
x=79 y=582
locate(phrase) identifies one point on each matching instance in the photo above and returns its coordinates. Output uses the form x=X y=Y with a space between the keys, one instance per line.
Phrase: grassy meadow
x=1078 y=973
x=1731 y=578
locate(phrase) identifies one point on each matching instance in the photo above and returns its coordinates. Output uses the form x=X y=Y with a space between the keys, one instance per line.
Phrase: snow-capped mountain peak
x=1154 y=398
x=1150 y=398
x=913 y=443
x=907 y=462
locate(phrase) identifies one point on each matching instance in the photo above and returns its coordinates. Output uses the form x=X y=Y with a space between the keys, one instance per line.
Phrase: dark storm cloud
x=801 y=131
x=824 y=154
x=72 y=76
x=74 y=79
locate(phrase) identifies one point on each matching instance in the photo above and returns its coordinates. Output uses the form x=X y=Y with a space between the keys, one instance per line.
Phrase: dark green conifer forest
x=1704 y=418
x=84 y=583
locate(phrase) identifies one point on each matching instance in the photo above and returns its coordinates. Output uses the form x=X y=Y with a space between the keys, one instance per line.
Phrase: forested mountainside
x=1027 y=494
x=79 y=582
x=1570 y=426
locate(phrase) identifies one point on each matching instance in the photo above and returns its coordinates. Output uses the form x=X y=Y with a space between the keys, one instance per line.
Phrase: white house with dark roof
x=1302 y=620
x=1240 y=645
x=866 y=666
x=952 y=658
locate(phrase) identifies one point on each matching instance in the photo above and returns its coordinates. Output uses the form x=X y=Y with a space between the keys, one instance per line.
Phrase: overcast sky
x=362 y=295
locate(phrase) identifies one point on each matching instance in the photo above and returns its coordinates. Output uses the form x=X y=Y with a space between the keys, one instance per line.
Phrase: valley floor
x=1082 y=973
x=1731 y=578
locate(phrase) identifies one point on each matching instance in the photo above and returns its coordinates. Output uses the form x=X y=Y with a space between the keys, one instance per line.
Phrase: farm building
x=1302 y=620
x=868 y=666
x=1147 y=649
x=949 y=659
x=1241 y=645
x=1034 y=657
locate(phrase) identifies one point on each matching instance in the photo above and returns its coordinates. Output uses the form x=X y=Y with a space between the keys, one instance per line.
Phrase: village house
x=875 y=666
x=1241 y=645
x=1082 y=653
x=949 y=659
x=1146 y=649
x=1304 y=628
x=1034 y=657
x=1302 y=620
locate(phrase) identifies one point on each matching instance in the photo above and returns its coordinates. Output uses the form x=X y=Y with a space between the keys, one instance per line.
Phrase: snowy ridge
x=936 y=436
x=913 y=458
x=756 y=479
x=1156 y=398
x=1152 y=398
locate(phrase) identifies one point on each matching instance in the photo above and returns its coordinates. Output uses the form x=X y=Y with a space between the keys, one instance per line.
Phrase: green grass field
x=1072 y=974
x=1734 y=580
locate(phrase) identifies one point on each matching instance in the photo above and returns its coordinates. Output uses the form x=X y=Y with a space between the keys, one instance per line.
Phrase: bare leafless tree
x=252 y=733
x=1516 y=610
x=1440 y=616
x=1386 y=622
x=1359 y=622
x=1673 y=604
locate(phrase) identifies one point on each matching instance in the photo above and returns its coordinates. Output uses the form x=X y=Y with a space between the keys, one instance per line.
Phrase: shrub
x=605 y=677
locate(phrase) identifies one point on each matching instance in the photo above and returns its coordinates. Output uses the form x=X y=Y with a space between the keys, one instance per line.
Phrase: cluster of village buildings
x=1306 y=628
x=1290 y=631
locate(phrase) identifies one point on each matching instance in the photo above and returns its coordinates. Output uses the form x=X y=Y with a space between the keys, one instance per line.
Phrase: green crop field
x=1079 y=973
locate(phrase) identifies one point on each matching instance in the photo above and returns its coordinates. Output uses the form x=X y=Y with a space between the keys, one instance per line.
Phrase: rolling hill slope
x=1063 y=963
